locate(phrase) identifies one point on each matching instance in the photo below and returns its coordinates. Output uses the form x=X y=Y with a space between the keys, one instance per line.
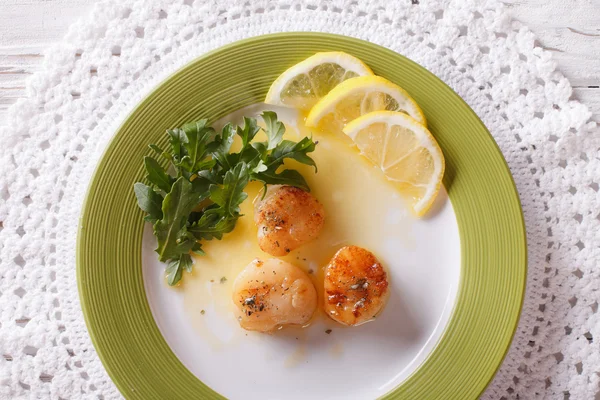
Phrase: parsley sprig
x=199 y=197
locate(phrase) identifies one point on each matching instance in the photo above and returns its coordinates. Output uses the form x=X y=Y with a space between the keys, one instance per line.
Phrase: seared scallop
x=287 y=218
x=356 y=286
x=273 y=293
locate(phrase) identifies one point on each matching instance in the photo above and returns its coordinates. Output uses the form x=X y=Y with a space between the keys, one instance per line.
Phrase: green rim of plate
x=478 y=181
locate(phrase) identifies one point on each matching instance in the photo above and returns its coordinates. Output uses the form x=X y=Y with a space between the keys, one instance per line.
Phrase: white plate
x=363 y=362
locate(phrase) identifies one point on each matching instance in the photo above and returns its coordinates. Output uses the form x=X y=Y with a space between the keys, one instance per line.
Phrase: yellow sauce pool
x=361 y=207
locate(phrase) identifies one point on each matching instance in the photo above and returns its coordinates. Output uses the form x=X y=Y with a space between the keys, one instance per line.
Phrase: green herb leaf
x=201 y=187
x=289 y=177
x=156 y=149
x=173 y=272
x=206 y=169
x=177 y=139
x=186 y=262
x=249 y=130
x=297 y=151
x=260 y=167
x=222 y=145
x=231 y=194
x=161 y=152
x=198 y=136
x=261 y=148
x=173 y=237
x=194 y=127
x=197 y=249
x=273 y=128
x=212 y=226
x=149 y=201
x=175 y=268
x=251 y=156
x=157 y=175
x=204 y=165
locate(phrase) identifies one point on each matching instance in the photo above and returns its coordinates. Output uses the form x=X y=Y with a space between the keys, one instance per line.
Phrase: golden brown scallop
x=287 y=218
x=356 y=286
x=272 y=293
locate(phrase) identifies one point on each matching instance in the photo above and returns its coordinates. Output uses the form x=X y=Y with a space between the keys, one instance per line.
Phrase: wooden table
x=569 y=29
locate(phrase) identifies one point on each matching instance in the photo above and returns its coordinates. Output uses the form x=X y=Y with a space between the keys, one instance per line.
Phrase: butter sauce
x=361 y=207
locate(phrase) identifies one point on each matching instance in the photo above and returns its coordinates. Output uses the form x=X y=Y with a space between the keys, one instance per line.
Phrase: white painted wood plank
x=36 y=22
x=27 y=27
x=570 y=29
x=17 y=63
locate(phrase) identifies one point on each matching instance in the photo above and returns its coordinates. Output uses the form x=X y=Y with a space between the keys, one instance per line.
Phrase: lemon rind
x=367 y=84
x=426 y=140
x=347 y=61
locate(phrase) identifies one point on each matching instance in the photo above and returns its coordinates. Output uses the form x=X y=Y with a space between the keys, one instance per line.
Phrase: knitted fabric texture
x=109 y=61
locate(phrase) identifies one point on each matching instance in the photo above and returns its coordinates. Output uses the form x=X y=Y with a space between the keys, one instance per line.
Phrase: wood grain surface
x=569 y=29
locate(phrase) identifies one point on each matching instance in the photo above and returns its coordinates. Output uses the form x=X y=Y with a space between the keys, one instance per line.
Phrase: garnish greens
x=198 y=198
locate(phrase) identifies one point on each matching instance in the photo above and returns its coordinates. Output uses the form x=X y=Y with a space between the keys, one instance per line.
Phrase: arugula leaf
x=212 y=225
x=251 y=156
x=174 y=272
x=157 y=175
x=186 y=262
x=196 y=126
x=175 y=268
x=249 y=130
x=231 y=194
x=213 y=175
x=156 y=149
x=177 y=139
x=273 y=128
x=202 y=201
x=201 y=186
x=206 y=164
x=289 y=177
x=261 y=148
x=260 y=167
x=148 y=200
x=197 y=249
x=222 y=145
x=198 y=136
x=297 y=151
x=171 y=232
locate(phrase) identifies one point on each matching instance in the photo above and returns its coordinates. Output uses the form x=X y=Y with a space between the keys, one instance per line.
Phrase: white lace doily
x=110 y=61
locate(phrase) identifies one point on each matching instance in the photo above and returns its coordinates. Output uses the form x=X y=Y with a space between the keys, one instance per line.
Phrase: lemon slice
x=405 y=151
x=302 y=85
x=358 y=96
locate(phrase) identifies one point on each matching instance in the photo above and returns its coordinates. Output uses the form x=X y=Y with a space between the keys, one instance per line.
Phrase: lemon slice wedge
x=302 y=85
x=405 y=151
x=358 y=96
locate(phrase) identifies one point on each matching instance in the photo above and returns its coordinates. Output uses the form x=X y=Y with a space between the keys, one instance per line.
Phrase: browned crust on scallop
x=356 y=286
x=276 y=216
